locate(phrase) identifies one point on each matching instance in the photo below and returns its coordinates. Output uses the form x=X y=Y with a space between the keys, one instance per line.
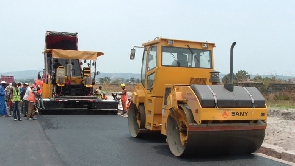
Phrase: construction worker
x=3 y=106
x=25 y=98
x=19 y=85
x=15 y=98
x=98 y=93
x=31 y=103
x=39 y=85
x=22 y=94
x=124 y=99
x=8 y=98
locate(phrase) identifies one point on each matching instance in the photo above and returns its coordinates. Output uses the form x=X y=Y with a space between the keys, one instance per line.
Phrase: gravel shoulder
x=279 y=141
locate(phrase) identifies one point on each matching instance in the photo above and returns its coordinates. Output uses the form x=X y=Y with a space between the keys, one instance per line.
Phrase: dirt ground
x=279 y=140
x=280 y=129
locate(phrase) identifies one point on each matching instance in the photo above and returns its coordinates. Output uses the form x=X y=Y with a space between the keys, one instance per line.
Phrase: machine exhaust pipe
x=231 y=63
x=230 y=86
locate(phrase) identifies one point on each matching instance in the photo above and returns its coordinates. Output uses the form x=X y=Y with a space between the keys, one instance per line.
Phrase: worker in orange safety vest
x=31 y=103
x=39 y=86
x=124 y=99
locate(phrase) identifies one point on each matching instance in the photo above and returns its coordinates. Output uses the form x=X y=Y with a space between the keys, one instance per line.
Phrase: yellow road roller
x=180 y=96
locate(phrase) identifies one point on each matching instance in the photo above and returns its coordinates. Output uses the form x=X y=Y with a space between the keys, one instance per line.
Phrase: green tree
x=242 y=76
x=127 y=81
x=116 y=81
x=132 y=80
x=258 y=78
x=226 y=79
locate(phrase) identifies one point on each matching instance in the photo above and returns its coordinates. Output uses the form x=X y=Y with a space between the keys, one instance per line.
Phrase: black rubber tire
x=173 y=137
x=142 y=116
x=134 y=128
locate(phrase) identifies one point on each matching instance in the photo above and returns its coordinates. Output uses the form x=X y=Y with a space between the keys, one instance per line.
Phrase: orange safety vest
x=31 y=97
x=39 y=83
x=124 y=96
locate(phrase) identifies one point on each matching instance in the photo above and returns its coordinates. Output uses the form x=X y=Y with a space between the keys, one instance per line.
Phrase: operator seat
x=181 y=60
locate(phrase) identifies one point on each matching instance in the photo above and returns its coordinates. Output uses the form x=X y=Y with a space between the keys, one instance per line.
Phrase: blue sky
x=264 y=31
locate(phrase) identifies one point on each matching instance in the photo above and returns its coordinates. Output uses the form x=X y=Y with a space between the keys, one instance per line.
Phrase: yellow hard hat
x=122 y=84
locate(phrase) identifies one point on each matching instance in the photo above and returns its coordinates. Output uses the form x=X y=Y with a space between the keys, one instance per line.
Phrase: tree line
x=240 y=76
x=108 y=80
x=243 y=76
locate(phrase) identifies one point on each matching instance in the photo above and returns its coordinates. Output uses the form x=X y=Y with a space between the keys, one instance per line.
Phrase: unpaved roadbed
x=279 y=141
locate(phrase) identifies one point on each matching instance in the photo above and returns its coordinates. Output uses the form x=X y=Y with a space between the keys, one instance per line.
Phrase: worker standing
x=8 y=98
x=15 y=98
x=31 y=103
x=25 y=99
x=124 y=99
x=39 y=86
x=3 y=106
x=22 y=94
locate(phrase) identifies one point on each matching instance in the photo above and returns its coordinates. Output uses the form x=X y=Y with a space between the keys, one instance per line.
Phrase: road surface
x=94 y=140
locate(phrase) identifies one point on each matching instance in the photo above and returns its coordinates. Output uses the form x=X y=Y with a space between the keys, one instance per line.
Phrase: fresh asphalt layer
x=94 y=140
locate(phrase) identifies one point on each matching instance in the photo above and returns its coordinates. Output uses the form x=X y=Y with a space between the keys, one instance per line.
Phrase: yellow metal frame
x=172 y=86
x=153 y=99
x=61 y=77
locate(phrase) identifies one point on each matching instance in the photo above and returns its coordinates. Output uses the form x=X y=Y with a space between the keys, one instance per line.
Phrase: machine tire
x=174 y=134
x=142 y=116
x=173 y=137
x=135 y=124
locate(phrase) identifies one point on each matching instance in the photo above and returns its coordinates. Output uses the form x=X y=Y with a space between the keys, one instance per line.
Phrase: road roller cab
x=181 y=97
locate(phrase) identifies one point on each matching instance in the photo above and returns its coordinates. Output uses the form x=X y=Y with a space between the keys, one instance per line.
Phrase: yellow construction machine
x=69 y=76
x=181 y=97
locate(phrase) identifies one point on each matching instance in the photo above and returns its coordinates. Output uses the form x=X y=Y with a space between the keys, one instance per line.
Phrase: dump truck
x=69 y=75
x=180 y=96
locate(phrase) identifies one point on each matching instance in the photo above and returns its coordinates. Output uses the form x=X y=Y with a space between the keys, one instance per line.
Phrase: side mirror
x=84 y=61
x=132 y=55
x=97 y=73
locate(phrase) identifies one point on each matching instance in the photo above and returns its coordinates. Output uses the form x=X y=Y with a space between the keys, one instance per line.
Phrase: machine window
x=152 y=58
x=150 y=81
x=143 y=68
x=186 y=57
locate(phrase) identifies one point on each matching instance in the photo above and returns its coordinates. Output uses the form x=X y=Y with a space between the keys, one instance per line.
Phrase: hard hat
x=26 y=84
x=3 y=82
x=122 y=84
